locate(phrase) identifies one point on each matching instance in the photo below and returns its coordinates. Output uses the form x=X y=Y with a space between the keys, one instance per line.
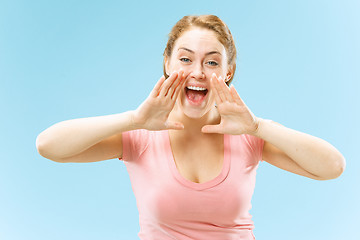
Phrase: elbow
x=40 y=146
x=340 y=165
x=336 y=169
x=43 y=149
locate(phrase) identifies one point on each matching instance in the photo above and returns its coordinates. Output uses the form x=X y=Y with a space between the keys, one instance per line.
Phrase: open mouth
x=195 y=95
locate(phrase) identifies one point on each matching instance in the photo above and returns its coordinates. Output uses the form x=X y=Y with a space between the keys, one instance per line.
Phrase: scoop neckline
x=193 y=185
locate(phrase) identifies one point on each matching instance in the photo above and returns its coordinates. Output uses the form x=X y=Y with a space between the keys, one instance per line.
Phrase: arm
x=299 y=152
x=99 y=138
x=285 y=148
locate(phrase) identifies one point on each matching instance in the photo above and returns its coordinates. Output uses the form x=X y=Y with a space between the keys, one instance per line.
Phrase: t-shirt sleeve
x=256 y=145
x=134 y=144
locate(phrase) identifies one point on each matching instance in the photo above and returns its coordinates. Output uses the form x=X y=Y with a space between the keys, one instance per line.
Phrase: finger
x=211 y=129
x=214 y=89
x=156 y=89
x=168 y=82
x=220 y=90
x=179 y=87
x=174 y=125
x=236 y=96
x=175 y=84
x=225 y=89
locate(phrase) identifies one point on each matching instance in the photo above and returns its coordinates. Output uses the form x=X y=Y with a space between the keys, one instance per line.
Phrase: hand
x=153 y=113
x=236 y=117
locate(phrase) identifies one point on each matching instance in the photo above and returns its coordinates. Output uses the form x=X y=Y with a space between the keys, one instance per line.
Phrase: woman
x=192 y=147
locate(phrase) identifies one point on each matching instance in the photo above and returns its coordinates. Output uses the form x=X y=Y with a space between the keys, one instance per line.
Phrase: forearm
x=311 y=153
x=71 y=137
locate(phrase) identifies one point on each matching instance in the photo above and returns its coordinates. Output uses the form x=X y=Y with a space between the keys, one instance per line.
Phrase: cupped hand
x=153 y=113
x=236 y=117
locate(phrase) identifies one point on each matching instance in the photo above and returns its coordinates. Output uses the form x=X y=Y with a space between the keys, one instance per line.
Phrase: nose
x=197 y=72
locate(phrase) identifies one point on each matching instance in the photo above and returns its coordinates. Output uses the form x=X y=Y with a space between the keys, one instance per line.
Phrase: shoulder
x=246 y=145
x=247 y=140
x=135 y=142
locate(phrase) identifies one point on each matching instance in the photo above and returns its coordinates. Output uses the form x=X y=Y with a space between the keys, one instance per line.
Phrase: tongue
x=195 y=95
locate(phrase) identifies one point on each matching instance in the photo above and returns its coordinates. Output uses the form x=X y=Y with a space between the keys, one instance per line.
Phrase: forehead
x=199 y=40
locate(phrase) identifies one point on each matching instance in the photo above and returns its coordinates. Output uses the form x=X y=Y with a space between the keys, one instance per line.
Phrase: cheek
x=177 y=66
x=218 y=71
x=173 y=66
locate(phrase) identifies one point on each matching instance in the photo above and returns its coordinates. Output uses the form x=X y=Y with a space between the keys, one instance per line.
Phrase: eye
x=212 y=63
x=185 y=60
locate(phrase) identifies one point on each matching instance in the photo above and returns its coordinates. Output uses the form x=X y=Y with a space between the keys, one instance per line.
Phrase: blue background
x=298 y=64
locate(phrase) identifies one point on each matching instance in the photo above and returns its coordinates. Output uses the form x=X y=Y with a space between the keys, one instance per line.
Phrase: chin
x=195 y=112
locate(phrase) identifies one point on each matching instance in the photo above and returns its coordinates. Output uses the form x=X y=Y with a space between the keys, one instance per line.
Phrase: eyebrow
x=209 y=53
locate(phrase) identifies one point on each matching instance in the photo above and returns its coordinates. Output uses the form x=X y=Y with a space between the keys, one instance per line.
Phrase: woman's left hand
x=236 y=117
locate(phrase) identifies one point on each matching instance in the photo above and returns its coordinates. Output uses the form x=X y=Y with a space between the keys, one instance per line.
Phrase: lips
x=195 y=94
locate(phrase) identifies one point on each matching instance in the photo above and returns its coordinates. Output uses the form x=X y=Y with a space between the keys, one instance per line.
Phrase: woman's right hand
x=153 y=113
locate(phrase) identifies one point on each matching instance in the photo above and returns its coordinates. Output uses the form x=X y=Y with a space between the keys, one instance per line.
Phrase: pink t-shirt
x=172 y=207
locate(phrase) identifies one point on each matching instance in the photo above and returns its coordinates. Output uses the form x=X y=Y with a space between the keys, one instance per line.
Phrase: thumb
x=174 y=125
x=211 y=129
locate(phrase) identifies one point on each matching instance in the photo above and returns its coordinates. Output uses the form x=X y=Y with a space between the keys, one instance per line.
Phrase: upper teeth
x=196 y=88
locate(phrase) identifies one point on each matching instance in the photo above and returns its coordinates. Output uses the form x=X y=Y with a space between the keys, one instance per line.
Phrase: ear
x=228 y=77
x=166 y=65
x=229 y=74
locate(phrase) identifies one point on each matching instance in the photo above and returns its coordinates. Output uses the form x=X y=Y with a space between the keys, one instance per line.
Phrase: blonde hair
x=210 y=22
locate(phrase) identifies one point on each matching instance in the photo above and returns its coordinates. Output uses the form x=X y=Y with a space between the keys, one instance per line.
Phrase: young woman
x=192 y=147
